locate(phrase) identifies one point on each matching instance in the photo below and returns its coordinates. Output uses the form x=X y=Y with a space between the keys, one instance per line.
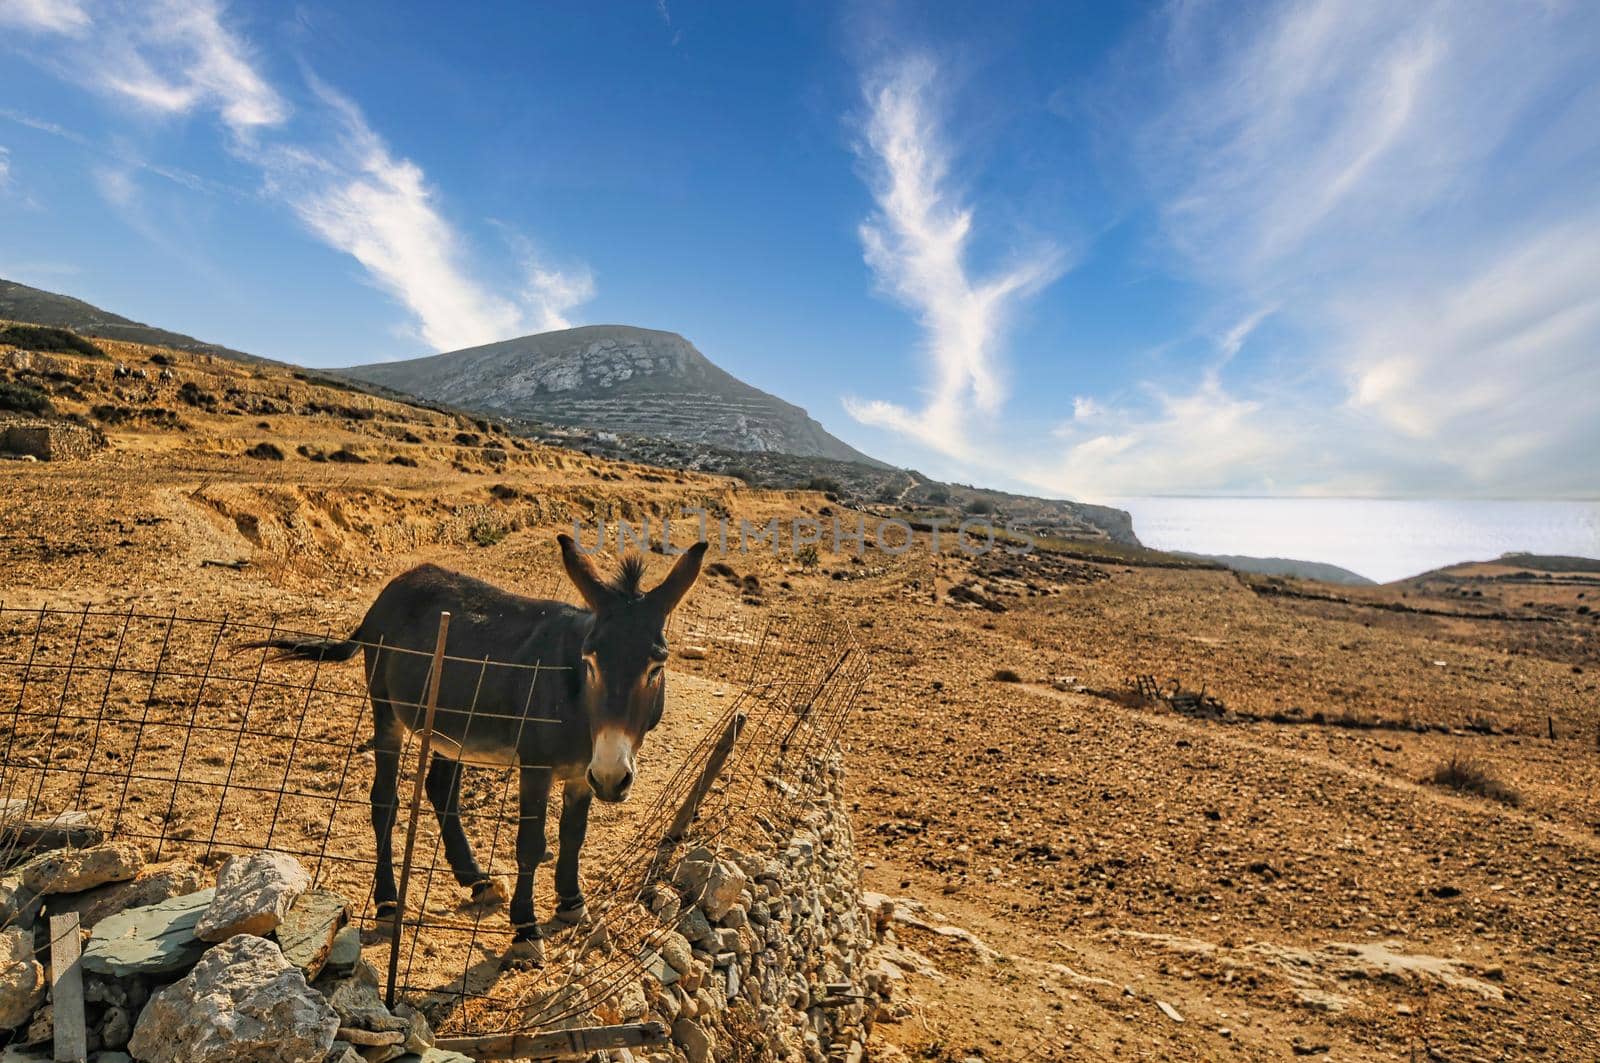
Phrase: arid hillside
x=1114 y=804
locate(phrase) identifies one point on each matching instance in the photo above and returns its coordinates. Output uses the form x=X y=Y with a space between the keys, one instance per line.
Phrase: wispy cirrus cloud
x=1407 y=188
x=54 y=16
x=338 y=176
x=918 y=245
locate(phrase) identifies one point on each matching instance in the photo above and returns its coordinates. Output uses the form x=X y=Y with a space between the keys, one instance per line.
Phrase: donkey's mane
x=629 y=578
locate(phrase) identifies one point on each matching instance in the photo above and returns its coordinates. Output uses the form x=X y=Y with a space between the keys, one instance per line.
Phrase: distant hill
x=614 y=378
x=18 y=302
x=1550 y=562
x=1285 y=566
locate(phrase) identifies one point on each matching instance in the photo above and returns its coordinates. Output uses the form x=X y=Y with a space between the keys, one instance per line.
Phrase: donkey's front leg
x=575 y=799
x=533 y=796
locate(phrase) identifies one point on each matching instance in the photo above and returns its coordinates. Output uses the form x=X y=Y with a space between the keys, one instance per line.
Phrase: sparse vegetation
x=194 y=395
x=485 y=532
x=1474 y=777
x=44 y=338
x=154 y=416
x=265 y=452
x=24 y=399
x=826 y=484
x=1005 y=675
x=808 y=556
x=980 y=506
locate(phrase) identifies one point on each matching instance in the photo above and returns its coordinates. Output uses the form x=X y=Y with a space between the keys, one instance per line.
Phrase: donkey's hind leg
x=444 y=792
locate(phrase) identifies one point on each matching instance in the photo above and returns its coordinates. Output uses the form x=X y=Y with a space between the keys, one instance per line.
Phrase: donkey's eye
x=655 y=673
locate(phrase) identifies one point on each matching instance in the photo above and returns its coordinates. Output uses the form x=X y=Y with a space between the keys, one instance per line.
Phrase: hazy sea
x=1381 y=539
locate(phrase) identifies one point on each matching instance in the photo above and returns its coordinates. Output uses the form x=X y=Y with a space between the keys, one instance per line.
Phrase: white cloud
x=180 y=56
x=917 y=245
x=116 y=186
x=1403 y=189
x=1493 y=367
x=340 y=178
x=48 y=16
x=166 y=56
x=5 y=167
x=551 y=294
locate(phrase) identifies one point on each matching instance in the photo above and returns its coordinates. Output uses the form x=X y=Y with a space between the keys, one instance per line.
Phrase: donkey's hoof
x=574 y=915
x=524 y=955
x=546 y=856
x=382 y=928
x=488 y=894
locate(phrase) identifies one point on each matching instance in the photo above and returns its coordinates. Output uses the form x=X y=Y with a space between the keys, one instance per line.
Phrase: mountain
x=1284 y=566
x=18 y=302
x=614 y=378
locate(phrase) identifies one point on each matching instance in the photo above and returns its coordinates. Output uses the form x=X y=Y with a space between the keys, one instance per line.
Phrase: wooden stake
x=424 y=749
x=691 y=803
x=66 y=989
x=559 y=1045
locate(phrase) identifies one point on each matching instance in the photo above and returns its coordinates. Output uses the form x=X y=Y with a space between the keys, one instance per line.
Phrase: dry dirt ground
x=1080 y=874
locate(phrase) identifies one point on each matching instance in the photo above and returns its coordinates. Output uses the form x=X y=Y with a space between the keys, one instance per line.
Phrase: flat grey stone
x=307 y=932
x=657 y=965
x=344 y=954
x=156 y=883
x=154 y=940
x=359 y=1007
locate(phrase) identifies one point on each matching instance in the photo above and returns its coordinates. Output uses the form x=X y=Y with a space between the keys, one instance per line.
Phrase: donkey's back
x=508 y=662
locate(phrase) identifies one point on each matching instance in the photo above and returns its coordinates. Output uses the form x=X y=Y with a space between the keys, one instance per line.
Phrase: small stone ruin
x=45 y=439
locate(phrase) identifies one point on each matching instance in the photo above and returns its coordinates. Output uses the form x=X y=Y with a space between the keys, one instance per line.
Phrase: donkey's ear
x=582 y=574
x=671 y=590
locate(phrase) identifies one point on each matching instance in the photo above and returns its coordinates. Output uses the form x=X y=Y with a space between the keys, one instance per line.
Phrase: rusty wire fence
x=159 y=729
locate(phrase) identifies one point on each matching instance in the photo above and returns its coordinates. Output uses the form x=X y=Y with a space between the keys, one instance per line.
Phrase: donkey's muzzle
x=611 y=767
x=614 y=790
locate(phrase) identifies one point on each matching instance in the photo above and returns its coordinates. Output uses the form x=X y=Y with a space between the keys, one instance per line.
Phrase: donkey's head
x=623 y=679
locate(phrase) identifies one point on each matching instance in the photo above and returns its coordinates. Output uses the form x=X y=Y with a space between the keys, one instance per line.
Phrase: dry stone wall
x=765 y=954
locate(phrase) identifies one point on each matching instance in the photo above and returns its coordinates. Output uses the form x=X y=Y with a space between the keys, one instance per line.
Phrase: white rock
x=254 y=893
x=76 y=870
x=242 y=1003
x=21 y=978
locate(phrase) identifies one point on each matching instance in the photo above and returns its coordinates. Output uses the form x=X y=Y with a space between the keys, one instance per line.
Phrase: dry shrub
x=1473 y=777
x=1005 y=675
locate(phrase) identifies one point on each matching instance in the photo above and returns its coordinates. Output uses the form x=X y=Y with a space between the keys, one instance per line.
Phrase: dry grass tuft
x=1473 y=777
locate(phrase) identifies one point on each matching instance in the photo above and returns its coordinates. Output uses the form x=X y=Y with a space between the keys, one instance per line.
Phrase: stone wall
x=764 y=951
x=49 y=440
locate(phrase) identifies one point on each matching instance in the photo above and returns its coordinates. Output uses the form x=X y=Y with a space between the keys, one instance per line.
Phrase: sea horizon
x=1382 y=539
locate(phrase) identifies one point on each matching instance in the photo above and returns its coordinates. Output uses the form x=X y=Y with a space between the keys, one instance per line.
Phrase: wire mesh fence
x=161 y=730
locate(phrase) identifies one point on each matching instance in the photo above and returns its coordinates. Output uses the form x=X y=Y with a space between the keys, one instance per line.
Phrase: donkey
x=578 y=718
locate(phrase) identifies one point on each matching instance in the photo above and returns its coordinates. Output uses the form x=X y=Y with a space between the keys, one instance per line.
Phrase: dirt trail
x=1231 y=736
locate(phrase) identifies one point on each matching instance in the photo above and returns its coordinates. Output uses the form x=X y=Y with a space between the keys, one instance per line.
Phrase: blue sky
x=1093 y=250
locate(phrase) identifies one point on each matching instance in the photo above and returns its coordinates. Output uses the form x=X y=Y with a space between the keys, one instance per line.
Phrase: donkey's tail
x=310 y=649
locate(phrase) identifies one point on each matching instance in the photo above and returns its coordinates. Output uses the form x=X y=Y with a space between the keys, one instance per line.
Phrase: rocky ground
x=1065 y=869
